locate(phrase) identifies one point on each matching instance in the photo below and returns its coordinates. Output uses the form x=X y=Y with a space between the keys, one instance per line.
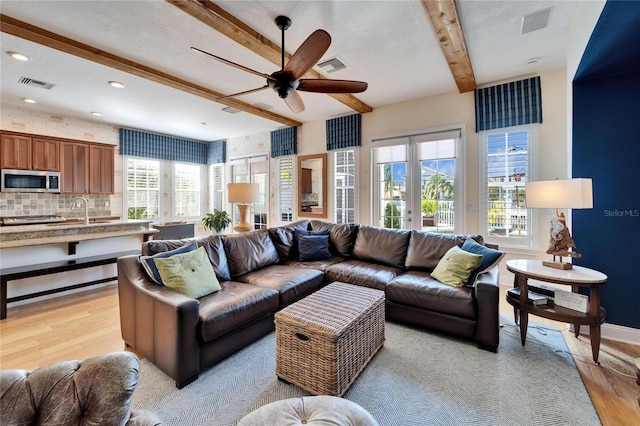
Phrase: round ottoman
x=310 y=410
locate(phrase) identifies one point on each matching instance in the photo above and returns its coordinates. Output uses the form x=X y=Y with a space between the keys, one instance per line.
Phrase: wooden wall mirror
x=312 y=185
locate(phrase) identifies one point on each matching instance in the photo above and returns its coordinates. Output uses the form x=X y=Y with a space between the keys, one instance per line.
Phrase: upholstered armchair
x=96 y=391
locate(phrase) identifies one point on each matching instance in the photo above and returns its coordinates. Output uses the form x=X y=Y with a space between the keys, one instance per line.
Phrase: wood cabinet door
x=15 y=152
x=45 y=154
x=74 y=173
x=102 y=170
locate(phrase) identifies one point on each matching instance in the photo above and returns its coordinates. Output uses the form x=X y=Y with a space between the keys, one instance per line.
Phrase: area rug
x=417 y=378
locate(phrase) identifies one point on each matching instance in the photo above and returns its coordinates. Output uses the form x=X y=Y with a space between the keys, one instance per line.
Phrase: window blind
x=161 y=147
x=216 y=152
x=344 y=132
x=511 y=104
x=283 y=142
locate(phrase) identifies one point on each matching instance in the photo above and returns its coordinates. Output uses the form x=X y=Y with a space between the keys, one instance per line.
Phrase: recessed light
x=116 y=84
x=96 y=113
x=19 y=56
x=203 y=123
x=29 y=101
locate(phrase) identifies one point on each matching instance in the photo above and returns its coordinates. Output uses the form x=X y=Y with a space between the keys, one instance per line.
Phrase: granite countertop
x=71 y=231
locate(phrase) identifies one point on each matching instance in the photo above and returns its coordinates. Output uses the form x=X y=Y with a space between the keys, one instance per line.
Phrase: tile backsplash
x=30 y=204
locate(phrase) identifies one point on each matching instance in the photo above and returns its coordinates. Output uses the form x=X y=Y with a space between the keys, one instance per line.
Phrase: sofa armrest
x=158 y=322
x=487 y=298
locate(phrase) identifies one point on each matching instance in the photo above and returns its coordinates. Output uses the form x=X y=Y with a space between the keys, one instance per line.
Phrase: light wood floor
x=85 y=324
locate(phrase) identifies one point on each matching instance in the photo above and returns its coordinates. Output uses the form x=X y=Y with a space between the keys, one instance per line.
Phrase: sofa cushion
x=149 y=265
x=249 y=251
x=189 y=273
x=233 y=307
x=427 y=248
x=341 y=236
x=380 y=245
x=214 y=247
x=284 y=238
x=320 y=265
x=312 y=245
x=490 y=258
x=149 y=248
x=361 y=273
x=418 y=289
x=292 y=283
x=456 y=267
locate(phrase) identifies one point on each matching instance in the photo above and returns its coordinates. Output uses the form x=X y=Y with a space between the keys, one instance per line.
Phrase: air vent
x=231 y=110
x=263 y=105
x=535 y=21
x=332 y=65
x=36 y=83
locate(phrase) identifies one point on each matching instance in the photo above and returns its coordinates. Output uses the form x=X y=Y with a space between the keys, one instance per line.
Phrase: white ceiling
x=389 y=44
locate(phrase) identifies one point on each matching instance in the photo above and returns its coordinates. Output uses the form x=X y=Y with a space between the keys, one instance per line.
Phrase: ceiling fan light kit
x=287 y=81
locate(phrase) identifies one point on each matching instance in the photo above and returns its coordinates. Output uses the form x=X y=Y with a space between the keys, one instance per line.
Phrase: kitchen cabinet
x=45 y=154
x=101 y=165
x=29 y=153
x=15 y=152
x=74 y=167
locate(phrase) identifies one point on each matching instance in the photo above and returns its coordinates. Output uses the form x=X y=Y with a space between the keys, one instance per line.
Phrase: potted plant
x=216 y=221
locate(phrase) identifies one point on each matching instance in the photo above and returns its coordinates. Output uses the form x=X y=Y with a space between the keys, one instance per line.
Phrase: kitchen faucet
x=86 y=208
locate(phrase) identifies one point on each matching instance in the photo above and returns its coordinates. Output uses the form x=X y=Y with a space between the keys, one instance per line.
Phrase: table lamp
x=560 y=194
x=243 y=194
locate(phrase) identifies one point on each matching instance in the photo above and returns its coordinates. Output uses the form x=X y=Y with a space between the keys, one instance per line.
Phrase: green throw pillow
x=456 y=266
x=189 y=273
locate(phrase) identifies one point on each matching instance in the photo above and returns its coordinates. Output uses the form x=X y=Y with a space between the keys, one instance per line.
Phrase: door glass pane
x=437 y=184
x=393 y=203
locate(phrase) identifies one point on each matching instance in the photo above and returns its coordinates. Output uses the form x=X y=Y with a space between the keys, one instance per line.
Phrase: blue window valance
x=161 y=147
x=284 y=142
x=508 y=105
x=217 y=152
x=343 y=132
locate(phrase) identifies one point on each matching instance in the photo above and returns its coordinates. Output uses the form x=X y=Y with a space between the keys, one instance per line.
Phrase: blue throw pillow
x=305 y=232
x=490 y=258
x=313 y=247
x=150 y=267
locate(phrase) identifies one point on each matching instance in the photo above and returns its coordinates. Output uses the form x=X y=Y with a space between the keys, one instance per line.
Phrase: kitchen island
x=41 y=259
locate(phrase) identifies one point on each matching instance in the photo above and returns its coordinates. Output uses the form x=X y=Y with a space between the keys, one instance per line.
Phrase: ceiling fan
x=287 y=81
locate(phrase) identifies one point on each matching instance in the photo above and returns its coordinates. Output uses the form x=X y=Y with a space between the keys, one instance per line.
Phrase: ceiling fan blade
x=246 y=92
x=322 y=85
x=233 y=64
x=309 y=53
x=294 y=101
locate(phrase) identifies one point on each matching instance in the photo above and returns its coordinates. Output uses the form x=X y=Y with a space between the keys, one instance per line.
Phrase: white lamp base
x=244 y=224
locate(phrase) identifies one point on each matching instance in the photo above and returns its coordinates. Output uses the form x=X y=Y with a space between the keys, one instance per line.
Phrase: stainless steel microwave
x=30 y=181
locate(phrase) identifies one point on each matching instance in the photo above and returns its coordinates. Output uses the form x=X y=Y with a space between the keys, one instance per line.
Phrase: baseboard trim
x=615 y=332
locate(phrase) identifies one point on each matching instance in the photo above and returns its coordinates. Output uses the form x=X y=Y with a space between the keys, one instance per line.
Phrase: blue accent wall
x=606 y=147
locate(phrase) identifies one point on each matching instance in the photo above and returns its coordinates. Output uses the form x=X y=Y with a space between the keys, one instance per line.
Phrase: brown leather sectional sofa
x=259 y=274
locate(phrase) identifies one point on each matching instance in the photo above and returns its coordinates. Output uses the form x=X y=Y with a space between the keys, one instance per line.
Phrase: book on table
x=533 y=298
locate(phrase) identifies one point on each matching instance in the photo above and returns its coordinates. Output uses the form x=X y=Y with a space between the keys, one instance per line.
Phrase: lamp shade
x=560 y=194
x=243 y=193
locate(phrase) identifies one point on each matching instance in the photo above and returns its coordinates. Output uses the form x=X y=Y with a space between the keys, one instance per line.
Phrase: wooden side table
x=577 y=277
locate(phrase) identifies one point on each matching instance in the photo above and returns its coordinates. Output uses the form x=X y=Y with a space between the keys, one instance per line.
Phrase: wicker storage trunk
x=325 y=340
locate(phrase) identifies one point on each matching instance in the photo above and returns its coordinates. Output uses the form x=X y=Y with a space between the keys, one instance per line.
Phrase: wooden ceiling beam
x=446 y=24
x=220 y=20
x=55 y=41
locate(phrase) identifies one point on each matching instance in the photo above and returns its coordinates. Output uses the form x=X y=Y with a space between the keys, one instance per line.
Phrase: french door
x=418 y=181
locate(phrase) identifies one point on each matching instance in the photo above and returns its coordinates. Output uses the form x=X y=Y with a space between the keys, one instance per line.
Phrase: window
x=186 y=201
x=285 y=188
x=217 y=187
x=143 y=189
x=507 y=166
x=344 y=184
